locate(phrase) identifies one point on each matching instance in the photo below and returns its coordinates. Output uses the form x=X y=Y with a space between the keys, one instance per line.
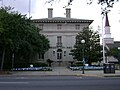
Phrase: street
x=58 y=83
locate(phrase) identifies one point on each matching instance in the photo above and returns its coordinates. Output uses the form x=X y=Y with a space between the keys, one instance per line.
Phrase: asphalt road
x=58 y=83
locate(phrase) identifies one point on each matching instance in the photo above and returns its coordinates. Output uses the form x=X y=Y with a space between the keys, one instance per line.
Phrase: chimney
x=68 y=13
x=50 y=12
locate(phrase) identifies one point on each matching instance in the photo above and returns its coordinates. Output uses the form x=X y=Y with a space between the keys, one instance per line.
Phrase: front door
x=59 y=56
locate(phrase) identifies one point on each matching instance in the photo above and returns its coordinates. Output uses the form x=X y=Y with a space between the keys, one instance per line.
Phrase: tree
x=108 y=3
x=115 y=52
x=92 y=48
x=19 y=36
x=4 y=40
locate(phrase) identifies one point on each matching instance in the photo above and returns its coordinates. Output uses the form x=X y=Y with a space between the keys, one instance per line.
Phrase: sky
x=79 y=9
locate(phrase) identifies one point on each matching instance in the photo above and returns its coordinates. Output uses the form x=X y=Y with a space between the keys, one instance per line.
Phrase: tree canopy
x=114 y=52
x=92 y=48
x=19 y=36
x=108 y=3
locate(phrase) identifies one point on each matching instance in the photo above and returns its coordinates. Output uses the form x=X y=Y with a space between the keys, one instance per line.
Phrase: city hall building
x=61 y=32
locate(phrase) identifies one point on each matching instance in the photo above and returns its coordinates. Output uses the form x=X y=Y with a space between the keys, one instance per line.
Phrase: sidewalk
x=63 y=71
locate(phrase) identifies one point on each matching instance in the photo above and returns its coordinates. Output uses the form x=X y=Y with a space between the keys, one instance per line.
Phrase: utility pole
x=29 y=8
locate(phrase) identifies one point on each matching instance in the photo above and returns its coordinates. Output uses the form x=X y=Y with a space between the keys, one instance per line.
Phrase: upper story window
x=77 y=27
x=41 y=26
x=78 y=40
x=59 y=41
x=59 y=26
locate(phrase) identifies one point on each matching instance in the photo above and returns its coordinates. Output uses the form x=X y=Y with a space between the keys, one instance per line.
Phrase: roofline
x=62 y=21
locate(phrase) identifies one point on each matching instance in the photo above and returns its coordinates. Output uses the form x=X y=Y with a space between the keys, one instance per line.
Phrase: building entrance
x=59 y=56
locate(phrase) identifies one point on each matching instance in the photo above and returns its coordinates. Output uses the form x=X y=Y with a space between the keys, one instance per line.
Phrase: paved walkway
x=66 y=71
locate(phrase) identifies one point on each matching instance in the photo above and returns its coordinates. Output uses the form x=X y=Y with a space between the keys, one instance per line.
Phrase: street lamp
x=83 y=42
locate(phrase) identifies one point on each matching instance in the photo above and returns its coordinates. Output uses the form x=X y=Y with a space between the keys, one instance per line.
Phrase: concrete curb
x=79 y=75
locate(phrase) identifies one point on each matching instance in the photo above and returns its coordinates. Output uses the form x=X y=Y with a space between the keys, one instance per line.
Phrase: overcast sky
x=79 y=9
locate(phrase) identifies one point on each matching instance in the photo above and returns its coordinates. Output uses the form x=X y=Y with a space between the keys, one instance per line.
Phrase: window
x=77 y=40
x=59 y=26
x=77 y=27
x=59 y=41
x=64 y=53
x=59 y=54
x=41 y=26
x=53 y=53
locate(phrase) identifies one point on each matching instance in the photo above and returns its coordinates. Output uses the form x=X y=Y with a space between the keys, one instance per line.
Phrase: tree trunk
x=3 y=58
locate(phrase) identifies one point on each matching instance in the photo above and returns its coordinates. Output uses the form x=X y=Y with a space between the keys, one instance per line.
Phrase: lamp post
x=83 y=42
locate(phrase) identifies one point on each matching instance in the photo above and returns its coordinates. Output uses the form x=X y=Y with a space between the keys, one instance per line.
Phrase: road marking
x=14 y=82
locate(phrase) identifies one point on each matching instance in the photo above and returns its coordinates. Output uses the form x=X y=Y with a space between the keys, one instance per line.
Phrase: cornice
x=63 y=21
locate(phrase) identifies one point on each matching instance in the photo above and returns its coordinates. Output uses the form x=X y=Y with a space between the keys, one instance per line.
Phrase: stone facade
x=61 y=32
